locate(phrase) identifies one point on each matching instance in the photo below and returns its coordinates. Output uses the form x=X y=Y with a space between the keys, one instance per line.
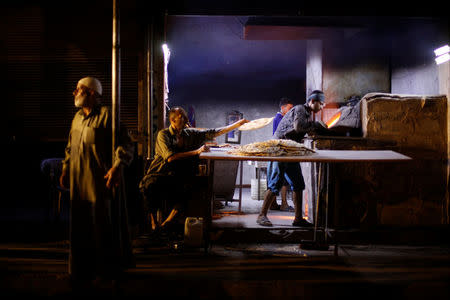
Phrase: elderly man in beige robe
x=99 y=240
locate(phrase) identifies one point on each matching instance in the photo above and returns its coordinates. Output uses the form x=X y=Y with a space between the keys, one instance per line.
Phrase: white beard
x=80 y=100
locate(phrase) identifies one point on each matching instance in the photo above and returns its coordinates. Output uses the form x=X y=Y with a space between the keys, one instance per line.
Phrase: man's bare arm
x=182 y=155
x=226 y=129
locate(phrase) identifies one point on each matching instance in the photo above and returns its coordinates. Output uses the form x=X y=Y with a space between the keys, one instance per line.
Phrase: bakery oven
x=383 y=194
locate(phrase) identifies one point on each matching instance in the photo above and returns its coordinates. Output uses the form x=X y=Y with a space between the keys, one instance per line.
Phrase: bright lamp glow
x=442 y=59
x=165 y=49
x=442 y=54
x=442 y=50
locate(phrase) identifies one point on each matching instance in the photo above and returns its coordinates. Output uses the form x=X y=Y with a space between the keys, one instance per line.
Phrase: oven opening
x=334 y=119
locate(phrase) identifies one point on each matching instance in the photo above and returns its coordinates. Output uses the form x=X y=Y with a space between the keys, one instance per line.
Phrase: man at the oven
x=294 y=126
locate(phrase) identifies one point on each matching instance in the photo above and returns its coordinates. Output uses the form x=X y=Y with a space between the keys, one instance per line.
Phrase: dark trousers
x=166 y=193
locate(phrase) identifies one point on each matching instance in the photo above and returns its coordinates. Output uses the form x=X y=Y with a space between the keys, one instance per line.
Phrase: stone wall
x=411 y=193
x=415 y=123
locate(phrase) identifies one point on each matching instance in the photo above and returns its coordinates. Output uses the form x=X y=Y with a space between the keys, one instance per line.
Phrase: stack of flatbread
x=274 y=147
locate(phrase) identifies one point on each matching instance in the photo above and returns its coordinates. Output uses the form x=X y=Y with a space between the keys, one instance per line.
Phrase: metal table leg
x=327 y=233
x=316 y=217
x=315 y=244
x=240 y=184
x=209 y=207
x=326 y=203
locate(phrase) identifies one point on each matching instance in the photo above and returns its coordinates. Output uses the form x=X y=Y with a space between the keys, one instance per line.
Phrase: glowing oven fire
x=343 y=121
x=334 y=119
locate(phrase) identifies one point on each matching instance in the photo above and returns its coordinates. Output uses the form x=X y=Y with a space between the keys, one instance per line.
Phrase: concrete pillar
x=313 y=82
x=444 y=89
x=313 y=66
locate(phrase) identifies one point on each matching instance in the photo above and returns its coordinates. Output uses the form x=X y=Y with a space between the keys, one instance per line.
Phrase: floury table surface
x=318 y=156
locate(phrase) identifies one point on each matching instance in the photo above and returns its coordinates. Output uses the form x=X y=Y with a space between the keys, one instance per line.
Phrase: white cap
x=92 y=83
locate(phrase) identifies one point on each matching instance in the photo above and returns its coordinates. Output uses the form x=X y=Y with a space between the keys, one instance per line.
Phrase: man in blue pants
x=294 y=126
x=285 y=106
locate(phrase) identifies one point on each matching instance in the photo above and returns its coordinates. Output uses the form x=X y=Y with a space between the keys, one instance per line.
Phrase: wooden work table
x=326 y=156
x=322 y=157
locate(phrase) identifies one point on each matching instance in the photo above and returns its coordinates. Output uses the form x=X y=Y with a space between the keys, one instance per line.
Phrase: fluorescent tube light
x=442 y=50
x=442 y=59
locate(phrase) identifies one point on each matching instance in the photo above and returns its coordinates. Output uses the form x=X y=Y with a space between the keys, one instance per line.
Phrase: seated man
x=176 y=163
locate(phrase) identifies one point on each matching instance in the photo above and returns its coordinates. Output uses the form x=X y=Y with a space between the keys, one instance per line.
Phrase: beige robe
x=98 y=228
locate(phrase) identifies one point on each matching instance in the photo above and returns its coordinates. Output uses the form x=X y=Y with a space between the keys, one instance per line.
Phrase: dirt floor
x=244 y=261
x=240 y=271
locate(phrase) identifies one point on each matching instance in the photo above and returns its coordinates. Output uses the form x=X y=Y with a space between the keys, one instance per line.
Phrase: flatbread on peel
x=256 y=124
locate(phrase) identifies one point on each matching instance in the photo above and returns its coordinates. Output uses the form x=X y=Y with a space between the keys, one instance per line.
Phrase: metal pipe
x=115 y=84
x=326 y=201
x=150 y=91
x=148 y=70
x=317 y=201
x=240 y=183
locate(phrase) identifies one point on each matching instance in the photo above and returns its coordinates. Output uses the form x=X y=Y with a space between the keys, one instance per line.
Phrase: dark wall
x=357 y=63
x=414 y=70
x=45 y=48
x=211 y=62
